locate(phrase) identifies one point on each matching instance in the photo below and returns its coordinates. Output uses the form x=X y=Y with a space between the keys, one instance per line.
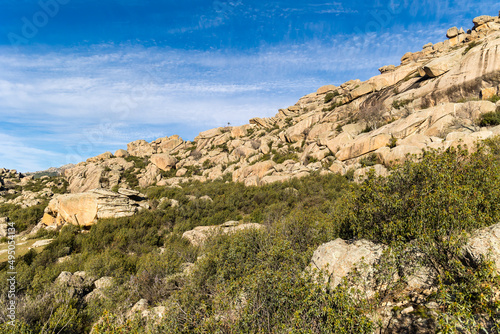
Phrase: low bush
x=398 y=104
x=23 y=218
x=330 y=96
x=490 y=119
x=254 y=281
x=432 y=205
x=280 y=158
x=369 y=160
x=470 y=47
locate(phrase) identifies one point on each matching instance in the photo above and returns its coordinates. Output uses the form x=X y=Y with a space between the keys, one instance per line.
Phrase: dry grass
x=22 y=247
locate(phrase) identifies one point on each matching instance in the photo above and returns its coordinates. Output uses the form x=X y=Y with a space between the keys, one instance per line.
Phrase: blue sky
x=80 y=77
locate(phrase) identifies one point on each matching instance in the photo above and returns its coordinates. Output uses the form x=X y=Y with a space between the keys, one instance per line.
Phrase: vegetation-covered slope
x=254 y=281
x=292 y=174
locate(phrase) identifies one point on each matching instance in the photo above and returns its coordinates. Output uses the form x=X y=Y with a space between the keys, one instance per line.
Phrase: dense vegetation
x=24 y=217
x=254 y=281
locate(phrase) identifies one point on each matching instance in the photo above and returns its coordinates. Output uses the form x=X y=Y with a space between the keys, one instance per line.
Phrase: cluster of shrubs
x=24 y=217
x=255 y=281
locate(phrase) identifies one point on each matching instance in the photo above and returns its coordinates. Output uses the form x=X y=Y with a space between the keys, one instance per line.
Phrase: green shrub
x=369 y=160
x=23 y=218
x=329 y=97
x=392 y=142
x=398 y=104
x=333 y=106
x=130 y=177
x=138 y=161
x=470 y=47
x=489 y=119
x=62 y=189
x=495 y=98
x=280 y=158
x=442 y=193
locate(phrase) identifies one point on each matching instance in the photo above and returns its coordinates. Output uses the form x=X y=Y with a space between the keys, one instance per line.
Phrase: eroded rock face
x=85 y=209
x=87 y=176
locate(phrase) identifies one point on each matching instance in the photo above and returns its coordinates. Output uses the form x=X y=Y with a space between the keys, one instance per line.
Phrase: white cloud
x=14 y=154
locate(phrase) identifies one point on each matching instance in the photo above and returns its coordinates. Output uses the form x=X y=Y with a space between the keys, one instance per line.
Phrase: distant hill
x=52 y=171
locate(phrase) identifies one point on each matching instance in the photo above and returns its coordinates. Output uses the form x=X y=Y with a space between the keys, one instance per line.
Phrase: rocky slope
x=432 y=100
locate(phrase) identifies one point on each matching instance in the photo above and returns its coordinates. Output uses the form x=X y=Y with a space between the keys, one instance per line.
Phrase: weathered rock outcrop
x=198 y=235
x=164 y=161
x=339 y=258
x=85 y=209
x=105 y=174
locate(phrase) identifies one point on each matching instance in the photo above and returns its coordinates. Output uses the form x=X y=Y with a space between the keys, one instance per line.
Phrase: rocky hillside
x=132 y=243
x=443 y=96
x=433 y=99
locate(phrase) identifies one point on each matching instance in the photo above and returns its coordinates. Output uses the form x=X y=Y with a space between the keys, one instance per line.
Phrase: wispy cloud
x=13 y=151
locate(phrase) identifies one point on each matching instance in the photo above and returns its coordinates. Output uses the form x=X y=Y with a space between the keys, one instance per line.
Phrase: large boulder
x=78 y=282
x=140 y=307
x=361 y=174
x=338 y=258
x=208 y=134
x=121 y=153
x=488 y=93
x=339 y=142
x=200 y=234
x=485 y=243
x=102 y=285
x=326 y=89
x=240 y=131
x=387 y=68
x=452 y=32
x=100 y=157
x=300 y=130
x=164 y=161
x=363 y=145
x=363 y=89
x=85 y=209
x=258 y=170
x=480 y=20
x=400 y=154
x=76 y=209
x=167 y=144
